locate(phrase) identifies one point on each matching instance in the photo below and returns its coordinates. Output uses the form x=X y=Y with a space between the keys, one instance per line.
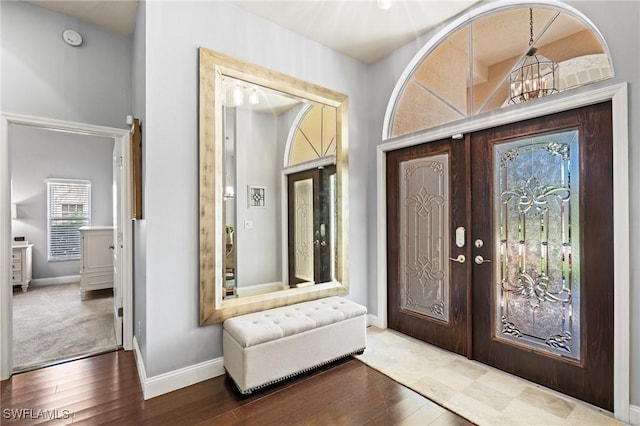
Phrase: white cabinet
x=21 y=265
x=96 y=270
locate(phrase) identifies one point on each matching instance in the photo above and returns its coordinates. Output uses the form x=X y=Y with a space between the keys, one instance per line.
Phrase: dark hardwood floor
x=105 y=389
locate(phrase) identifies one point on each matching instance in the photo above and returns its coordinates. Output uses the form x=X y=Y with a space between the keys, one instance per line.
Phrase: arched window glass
x=467 y=72
x=314 y=136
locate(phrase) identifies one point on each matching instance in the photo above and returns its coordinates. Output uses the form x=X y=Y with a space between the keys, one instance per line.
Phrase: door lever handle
x=480 y=260
x=460 y=259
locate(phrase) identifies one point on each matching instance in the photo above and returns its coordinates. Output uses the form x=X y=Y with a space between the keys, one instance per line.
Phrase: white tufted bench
x=265 y=347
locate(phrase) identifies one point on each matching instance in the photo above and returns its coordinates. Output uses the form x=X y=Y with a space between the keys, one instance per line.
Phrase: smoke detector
x=72 y=38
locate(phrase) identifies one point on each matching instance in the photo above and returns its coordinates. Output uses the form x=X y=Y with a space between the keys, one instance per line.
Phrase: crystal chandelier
x=534 y=76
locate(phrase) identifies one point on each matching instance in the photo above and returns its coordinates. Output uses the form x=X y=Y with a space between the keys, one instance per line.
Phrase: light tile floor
x=477 y=392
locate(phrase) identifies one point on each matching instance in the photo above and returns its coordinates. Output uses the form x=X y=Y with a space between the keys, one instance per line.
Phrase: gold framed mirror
x=232 y=209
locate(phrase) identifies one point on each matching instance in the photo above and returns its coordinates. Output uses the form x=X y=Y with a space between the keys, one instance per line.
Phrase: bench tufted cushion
x=260 y=327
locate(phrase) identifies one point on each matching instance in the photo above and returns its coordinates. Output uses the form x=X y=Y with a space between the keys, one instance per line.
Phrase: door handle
x=460 y=259
x=480 y=260
x=112 y=247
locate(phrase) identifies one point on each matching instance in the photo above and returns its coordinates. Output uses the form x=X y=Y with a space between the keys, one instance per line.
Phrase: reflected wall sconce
x=229 y=192
x=253 y=96
x=534 y=76
x=14 y=211
x=237 y=94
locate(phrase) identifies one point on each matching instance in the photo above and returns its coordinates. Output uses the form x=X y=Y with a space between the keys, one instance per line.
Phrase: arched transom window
x=468 y=70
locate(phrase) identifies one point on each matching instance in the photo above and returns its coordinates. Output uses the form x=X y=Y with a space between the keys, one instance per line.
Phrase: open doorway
x=63 y=196
x=110 y=209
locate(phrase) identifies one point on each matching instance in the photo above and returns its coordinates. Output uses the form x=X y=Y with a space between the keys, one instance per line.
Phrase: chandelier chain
x=530 y=26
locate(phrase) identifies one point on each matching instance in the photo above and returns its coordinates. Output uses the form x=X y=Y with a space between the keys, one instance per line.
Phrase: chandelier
x=534 y=76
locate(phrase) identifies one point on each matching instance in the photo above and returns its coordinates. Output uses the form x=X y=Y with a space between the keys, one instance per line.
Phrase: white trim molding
x=120 y=136
x=67 y=279
x=593 y=94
x=177 y=379
x=634 y=415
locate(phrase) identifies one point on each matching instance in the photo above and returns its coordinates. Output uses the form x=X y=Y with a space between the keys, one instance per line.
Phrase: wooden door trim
x=618 y=94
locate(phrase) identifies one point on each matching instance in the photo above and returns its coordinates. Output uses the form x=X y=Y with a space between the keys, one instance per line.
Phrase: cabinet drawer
x=16 y=255
x=16 y=277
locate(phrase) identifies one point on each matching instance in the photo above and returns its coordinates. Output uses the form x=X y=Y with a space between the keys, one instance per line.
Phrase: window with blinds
x=68 y=208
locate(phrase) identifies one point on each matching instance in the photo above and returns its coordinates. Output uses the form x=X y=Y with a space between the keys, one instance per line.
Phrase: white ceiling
x=356 y=28
x=118 y=16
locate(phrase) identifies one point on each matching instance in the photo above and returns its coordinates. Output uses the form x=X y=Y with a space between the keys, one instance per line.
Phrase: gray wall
x=618 y=22
x=175 y=31
x=38 y=154
x=257 y=164
x=43 y=76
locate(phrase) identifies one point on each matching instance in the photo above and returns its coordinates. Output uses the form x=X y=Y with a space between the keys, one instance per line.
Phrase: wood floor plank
x=105 y=390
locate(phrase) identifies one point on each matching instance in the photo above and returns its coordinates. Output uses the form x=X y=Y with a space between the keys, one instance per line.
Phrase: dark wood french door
x=537 y=295
x=426 y=204
x=312 y=221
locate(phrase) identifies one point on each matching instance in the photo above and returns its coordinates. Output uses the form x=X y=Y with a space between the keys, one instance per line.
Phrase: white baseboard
x=634 y=415
x=374 y=320
x=177 y=379
x=260 y=289
x=68 y=279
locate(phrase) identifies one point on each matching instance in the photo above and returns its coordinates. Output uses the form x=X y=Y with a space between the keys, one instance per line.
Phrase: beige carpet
x=52 y=324
x=479 y=393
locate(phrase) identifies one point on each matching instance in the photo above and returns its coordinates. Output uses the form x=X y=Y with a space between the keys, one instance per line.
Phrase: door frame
x=120 y=136
x=618 y=95
x=284 y=203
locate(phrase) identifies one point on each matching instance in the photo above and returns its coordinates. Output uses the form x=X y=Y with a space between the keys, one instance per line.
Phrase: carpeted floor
x=52 y=324
x=477 y=392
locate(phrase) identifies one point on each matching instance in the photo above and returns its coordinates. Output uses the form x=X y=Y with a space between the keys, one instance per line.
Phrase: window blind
x=68 y=208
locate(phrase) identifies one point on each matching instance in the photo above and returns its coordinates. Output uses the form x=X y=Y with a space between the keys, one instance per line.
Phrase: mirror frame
x=213 y=67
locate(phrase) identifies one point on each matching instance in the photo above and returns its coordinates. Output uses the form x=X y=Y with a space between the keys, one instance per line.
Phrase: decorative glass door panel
x=537 y=242
x=303 y=206
x=424 y=236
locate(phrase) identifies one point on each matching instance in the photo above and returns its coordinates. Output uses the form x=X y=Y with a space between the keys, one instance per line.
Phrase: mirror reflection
x=279 y=190
x=273 y=189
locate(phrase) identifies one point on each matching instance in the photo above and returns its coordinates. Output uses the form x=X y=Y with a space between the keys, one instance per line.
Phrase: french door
x=536 y=290
x=312 y=226
x=427 y=273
